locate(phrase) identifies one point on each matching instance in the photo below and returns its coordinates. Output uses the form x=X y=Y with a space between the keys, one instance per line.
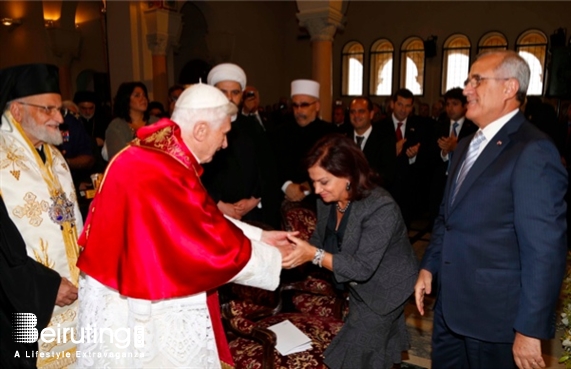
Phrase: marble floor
x=420 y=327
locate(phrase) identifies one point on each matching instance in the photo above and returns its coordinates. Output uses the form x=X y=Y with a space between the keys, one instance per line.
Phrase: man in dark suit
x=407 y=137
x=293 y=139
x=498 y=244
x=446 y=135
x=341 y=125
x=369 y=137
x=251 y=107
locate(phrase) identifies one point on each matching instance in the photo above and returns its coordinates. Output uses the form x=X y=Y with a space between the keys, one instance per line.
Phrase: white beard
x=42 y=133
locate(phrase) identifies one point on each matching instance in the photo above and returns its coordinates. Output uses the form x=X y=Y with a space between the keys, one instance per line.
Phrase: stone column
x=322 y=19
x=163 y=31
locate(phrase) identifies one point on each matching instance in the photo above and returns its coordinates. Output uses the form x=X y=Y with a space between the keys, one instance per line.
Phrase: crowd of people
x=181 y=208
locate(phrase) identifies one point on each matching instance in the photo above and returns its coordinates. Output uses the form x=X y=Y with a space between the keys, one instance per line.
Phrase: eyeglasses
x=49 y=110
x=475 y=80
x=302 y=105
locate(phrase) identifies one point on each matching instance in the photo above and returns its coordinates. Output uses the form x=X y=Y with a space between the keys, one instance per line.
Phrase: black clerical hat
x=83 y=96
x=27 y=80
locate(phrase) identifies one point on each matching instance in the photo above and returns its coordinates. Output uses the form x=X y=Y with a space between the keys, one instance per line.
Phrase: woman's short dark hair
x=122 y=100
x=340 y=156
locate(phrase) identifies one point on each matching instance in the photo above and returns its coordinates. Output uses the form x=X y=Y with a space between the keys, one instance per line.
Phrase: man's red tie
x=398 y=132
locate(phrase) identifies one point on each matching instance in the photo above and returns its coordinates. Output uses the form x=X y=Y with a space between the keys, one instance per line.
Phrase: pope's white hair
x=187 y=118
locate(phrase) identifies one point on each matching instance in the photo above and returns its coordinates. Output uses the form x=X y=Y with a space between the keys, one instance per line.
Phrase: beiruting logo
x=24 y=331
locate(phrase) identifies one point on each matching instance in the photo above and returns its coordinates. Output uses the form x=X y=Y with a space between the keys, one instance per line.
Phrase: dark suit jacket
x=291 y=144
x=379 y=152
x=376 y=258
x=400 y=171
x=499 y=250
x=345 y=129
x=442 y=129
x=438 y=166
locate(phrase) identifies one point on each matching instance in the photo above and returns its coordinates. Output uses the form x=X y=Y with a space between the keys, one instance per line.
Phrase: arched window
x=353 y=54
x=492 y=41
x=532 y=46
x=382 y=55
x=455 y=62
x=412 y=65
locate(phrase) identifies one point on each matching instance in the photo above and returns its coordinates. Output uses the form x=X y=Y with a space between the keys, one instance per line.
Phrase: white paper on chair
x=289 y=338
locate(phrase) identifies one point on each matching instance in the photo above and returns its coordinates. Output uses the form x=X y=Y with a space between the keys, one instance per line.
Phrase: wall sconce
x=49 y=23
x=9 y=22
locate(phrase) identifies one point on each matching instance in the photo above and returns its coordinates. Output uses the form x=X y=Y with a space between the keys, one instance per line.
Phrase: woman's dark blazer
x=376 y=257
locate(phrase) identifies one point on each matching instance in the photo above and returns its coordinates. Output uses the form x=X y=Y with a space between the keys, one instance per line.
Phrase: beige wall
x=26 y=43
x=259 y=36
x=399 y=20
x=265 y=36
x=30 y=42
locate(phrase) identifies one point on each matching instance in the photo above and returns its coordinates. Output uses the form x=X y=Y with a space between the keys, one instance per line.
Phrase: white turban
x=227 y=72
x=305 y=87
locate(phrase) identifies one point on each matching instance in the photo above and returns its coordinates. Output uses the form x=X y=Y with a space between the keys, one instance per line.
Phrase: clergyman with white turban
x=242 y=180
x=293 y=139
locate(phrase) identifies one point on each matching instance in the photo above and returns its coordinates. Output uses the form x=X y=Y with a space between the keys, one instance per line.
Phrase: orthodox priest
x=40 y=221
x=156 y=247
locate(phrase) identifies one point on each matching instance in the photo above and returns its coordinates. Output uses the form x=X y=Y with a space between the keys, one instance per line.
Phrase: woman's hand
x=302 y=253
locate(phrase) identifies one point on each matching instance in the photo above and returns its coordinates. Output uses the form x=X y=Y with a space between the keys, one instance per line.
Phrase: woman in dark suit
x=361 y=237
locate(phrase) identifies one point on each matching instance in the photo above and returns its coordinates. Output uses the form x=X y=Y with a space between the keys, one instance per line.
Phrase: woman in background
x=361 y=237
x=130 y=112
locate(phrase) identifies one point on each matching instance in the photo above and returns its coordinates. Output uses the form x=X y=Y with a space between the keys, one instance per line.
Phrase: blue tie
x=454 y=128
x=453 y=134
x=471 y=157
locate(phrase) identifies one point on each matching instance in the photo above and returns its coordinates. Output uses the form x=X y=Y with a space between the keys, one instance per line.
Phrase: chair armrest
x=316 y=297
x=244 y=327
x=268 y=341
x=311 y=285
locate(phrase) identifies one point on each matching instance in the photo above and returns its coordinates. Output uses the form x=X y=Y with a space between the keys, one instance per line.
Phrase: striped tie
x=454 y=128
x=471 y=157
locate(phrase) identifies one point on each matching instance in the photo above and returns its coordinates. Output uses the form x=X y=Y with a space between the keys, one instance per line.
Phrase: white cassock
x=173 y=333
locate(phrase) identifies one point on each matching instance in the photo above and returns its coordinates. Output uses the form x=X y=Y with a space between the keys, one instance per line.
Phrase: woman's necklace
x=135 y=126
x=342 y=210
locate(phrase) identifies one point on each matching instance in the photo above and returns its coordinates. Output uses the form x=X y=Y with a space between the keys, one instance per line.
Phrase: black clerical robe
x=26 y=286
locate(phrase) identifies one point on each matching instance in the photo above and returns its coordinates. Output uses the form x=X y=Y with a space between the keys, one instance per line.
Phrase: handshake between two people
x=294 y=250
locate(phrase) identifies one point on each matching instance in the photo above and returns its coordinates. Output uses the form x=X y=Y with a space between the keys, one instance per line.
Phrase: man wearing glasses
x=499 y=242
x=40 y=218
x=293 y=139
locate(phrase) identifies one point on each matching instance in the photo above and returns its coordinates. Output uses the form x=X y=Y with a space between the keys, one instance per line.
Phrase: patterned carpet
x=419 y=327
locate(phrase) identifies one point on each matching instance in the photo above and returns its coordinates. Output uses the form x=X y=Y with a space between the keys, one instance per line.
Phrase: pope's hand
x=277 y=238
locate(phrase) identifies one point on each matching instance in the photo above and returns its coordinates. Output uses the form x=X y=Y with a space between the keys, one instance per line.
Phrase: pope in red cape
x=156 y=247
